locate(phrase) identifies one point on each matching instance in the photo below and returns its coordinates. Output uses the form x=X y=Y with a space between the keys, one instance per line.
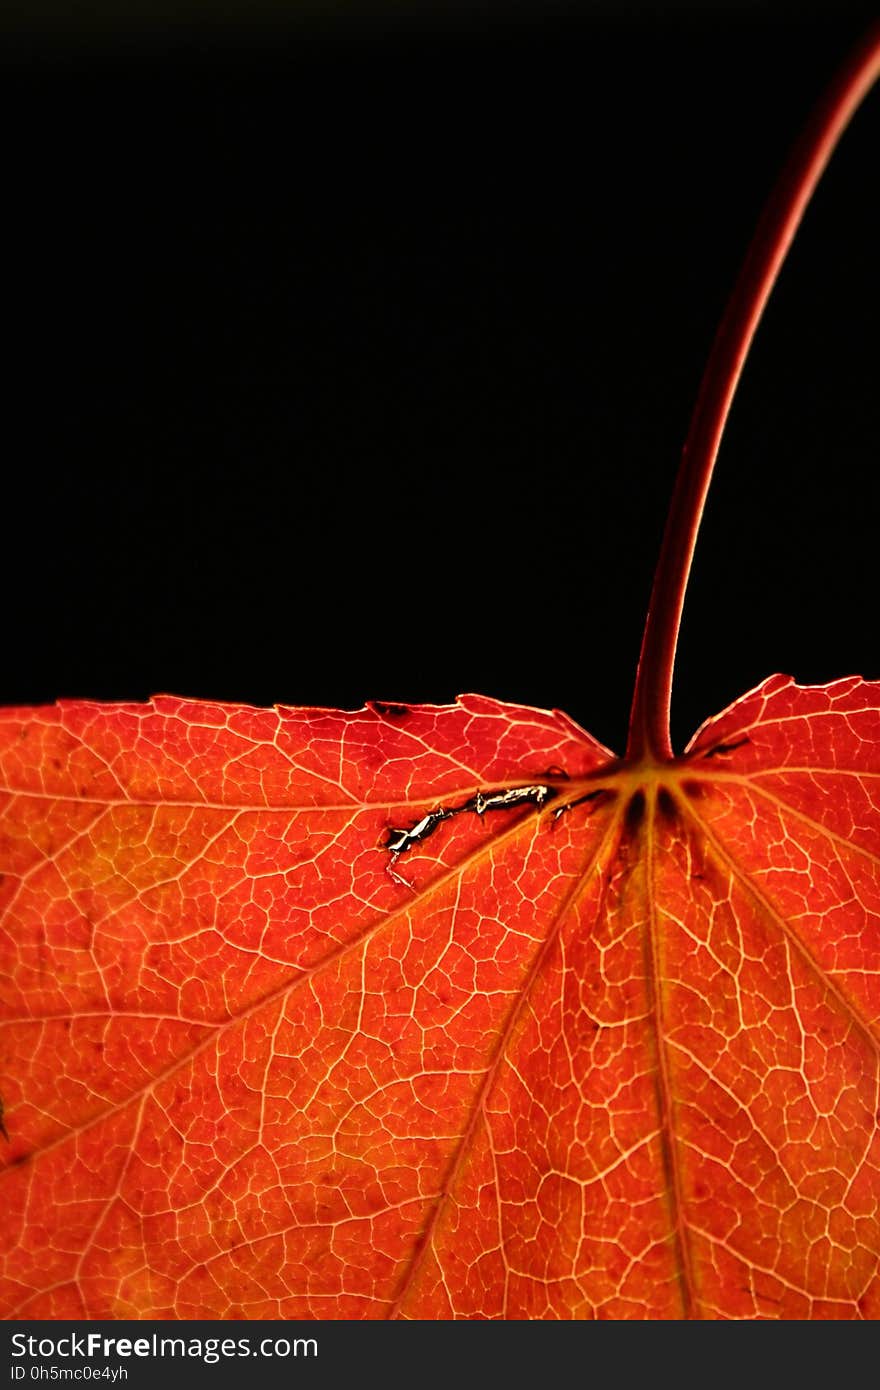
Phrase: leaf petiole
x=649 y=735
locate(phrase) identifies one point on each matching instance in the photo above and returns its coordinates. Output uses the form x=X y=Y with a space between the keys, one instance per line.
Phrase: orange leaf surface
x=614 y=1060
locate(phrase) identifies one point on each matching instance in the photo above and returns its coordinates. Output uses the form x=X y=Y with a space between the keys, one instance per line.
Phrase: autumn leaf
x=612 y=1059
x=449 y=1012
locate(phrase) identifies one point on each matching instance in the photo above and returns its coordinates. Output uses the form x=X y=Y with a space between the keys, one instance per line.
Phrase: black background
x=353 y=359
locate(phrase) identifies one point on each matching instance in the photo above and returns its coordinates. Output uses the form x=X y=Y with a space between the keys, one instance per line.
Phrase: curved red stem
x=649 y=735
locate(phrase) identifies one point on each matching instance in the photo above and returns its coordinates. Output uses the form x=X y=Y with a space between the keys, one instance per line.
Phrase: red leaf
x=591 y=1063
x=448 y=1012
